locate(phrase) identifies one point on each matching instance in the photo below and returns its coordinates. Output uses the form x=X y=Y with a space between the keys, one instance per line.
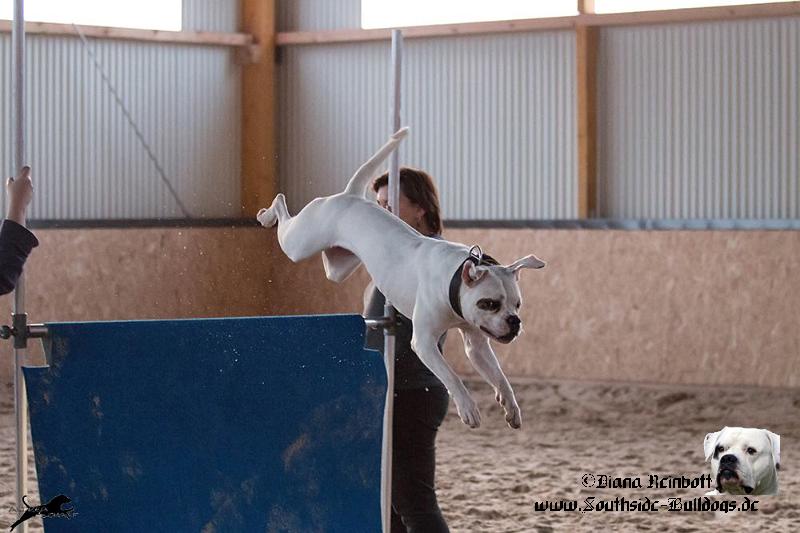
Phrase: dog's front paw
x=468 y=410
x=510 y=406
x=514 y=416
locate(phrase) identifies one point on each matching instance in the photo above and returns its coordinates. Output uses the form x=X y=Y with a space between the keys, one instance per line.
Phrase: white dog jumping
x=743 y=460
x=438 y=284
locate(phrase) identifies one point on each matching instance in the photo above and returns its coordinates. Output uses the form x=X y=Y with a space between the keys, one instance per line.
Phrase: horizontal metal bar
x=37 y=331
x=33 y=331
x=375 y=323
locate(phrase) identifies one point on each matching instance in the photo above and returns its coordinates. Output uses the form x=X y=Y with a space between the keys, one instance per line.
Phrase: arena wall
x=691 y=307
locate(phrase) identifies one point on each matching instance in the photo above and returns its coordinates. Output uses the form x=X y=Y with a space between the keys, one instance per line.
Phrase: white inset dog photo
x=744 y=461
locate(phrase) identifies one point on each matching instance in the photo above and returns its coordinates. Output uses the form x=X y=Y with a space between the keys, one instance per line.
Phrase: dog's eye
x=751 y=450
x=489 y=305
x=720 y=449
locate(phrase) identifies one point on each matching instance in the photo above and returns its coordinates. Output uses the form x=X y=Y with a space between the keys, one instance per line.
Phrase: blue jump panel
x=248 y=424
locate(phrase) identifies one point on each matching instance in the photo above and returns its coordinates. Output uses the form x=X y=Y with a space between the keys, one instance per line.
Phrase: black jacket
x=16 y=243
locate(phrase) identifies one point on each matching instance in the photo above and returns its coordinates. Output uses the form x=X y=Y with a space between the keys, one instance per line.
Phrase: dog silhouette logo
x=53 y=508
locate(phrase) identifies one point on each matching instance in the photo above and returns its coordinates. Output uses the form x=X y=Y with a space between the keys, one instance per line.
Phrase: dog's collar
x=479 y=259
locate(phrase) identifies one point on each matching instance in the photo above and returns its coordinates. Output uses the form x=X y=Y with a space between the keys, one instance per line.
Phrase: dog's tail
x=360 y=180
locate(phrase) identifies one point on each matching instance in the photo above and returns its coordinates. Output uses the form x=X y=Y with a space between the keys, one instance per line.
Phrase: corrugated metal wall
x=696 y=120
x=89 y=164
x=211 y=15
x=492 y=119
x=700 y=120
x=318 y=15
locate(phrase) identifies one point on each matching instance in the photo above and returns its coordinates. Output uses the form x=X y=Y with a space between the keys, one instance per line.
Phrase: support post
x=20 y=400
x=389 y=336
x=259 y=109
x=586 y=42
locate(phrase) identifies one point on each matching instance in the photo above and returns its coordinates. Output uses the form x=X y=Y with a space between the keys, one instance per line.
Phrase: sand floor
x=490 y=478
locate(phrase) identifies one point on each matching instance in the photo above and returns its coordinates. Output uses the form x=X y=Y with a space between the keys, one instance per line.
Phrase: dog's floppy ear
x=529 y=261
x=775 y=440
x=710 y=442
x=471 y=275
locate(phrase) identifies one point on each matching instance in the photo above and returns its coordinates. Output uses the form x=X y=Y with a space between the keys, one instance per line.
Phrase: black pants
x=417 y=416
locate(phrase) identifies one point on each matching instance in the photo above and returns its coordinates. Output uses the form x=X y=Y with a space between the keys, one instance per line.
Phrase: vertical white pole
x=21 y=404
x=389 y=338
x=394 y=162
x=386 y=452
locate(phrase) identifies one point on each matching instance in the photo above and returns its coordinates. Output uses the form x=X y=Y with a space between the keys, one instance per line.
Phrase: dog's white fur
x=414 y=272
x=753 y=459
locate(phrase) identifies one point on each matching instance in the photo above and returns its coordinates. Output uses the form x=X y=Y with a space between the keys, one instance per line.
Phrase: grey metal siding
x=87 y=162
x=700 y=120
x=492 y=118
x=211 y=15
x=317 y=15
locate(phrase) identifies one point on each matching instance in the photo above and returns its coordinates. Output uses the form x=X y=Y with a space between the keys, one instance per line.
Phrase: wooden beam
x=586 y=41
x=259 y=110
x=158 y=36
x=439 y=30
x=702 y=14
x=585 y=6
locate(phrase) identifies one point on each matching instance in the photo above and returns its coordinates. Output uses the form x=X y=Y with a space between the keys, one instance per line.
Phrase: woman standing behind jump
x=420 y=399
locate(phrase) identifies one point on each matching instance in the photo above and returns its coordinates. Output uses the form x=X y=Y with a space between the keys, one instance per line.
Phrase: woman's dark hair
x=418 y=187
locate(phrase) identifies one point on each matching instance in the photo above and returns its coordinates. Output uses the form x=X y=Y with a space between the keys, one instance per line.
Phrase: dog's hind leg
x=339 y=263
x=358 y=183
x=300 y=236
x=276 y=212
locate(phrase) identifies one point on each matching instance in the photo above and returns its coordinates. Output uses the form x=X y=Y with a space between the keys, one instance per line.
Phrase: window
x=395 y=14
x=141 y=14
x=619 y=6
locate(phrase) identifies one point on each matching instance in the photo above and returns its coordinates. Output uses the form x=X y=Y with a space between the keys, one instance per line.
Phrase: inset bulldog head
x=490 y=297
x=744 y=460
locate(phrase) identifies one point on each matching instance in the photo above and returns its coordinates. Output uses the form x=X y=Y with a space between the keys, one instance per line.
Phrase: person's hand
x=20 y=192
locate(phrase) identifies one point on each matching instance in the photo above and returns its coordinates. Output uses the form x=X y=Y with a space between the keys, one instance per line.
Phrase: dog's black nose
x=514 y=321
x=728 y=460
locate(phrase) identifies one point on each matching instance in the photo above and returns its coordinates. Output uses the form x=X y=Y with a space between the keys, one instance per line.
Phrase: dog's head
x=744 y=460
x=491 y=299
